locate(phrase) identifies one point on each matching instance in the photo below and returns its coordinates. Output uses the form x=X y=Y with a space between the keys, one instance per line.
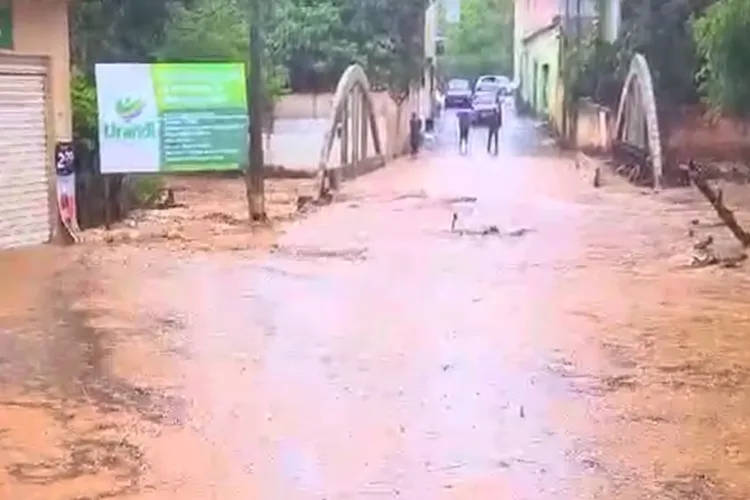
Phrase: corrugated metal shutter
x=24 y=188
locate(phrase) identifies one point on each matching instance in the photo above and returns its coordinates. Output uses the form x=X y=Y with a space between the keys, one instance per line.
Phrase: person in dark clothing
x=494 y=123
x=415 y=130
x=464 y=126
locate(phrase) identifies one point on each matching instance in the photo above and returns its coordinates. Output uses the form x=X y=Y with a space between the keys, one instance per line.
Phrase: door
x=535 y=88
x=545 y=89
x=24 y=187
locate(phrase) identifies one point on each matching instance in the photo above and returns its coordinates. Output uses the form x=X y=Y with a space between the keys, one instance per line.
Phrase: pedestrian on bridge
x=494 y=122
x=415 y=134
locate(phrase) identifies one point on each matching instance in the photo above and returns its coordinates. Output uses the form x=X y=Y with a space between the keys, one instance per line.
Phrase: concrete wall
x=544 y=98
x=594 y=125
x=40 y=28
x=302 y=121
x=694 y=134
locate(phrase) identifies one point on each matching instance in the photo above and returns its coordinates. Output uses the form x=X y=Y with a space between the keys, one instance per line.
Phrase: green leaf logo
x=129 y=108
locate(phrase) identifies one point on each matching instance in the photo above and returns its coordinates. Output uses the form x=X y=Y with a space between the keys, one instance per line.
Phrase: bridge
x=337 y=136
x=637 y=139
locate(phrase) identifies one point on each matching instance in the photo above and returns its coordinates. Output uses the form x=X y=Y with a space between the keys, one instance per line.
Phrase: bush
x=723 y=41
x=83 y=98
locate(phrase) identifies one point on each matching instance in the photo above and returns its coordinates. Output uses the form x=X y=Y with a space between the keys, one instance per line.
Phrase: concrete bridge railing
x=353 y=124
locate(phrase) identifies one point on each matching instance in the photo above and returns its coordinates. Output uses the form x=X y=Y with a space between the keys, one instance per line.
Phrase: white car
x=501 y=84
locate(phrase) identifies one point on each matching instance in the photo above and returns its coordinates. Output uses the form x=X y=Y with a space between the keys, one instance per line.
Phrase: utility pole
x=565 y=63
x=254 y=174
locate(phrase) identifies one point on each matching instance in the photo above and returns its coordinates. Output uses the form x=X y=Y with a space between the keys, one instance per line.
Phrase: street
x=548 y=347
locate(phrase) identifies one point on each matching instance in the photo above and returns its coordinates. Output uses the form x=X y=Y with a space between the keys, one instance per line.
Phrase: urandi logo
x=129 y=109
x=127 y=128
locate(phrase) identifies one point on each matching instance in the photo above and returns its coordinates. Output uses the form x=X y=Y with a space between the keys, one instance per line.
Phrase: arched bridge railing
x=637 y=133
x=353 y=123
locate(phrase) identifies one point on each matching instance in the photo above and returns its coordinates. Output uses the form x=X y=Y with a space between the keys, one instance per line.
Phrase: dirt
x=212 y=215
x=367 y=355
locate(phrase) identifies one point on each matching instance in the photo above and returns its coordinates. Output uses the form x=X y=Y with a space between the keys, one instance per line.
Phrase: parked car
x=483 y=104
x=501 y=84
x=458 y=93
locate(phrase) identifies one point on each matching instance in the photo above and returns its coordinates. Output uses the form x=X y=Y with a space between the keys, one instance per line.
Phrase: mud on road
x=374 y=353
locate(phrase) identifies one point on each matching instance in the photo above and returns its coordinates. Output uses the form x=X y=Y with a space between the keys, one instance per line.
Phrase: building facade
x=35 y=113
x=429 y=84
x=539 y=36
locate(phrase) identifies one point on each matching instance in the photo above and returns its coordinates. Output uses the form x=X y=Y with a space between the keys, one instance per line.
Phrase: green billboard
x=172 y=117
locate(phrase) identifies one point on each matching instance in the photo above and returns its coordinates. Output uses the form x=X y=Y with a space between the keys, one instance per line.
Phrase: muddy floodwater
x=554 y=345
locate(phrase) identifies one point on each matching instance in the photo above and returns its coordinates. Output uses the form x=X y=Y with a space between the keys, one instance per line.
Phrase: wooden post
x=107 y=201
x=254 y=174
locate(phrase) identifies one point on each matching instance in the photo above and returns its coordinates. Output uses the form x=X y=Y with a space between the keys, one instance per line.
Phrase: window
x=458 y=84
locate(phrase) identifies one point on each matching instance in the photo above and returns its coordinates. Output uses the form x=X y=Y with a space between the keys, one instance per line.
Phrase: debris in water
x=492 y=230
x=453 y=221
x=704 y=243
x=519 y=232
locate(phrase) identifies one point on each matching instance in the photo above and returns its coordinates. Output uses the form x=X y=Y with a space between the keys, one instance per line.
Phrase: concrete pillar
x=344 y=150
x=356 y=123
x=364 y=121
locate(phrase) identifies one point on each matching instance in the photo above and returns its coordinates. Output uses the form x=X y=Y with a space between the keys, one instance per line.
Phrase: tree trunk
x=715 y=197
x=254 y=174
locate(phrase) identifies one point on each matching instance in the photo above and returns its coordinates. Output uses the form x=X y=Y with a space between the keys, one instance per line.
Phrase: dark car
x=458 y=93
x=484 y=104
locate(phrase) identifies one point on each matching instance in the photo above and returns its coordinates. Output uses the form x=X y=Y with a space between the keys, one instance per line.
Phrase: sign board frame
x=6 y=24
x=172 y=117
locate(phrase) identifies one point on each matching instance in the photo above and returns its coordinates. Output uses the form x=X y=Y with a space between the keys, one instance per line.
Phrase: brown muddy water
x=373 y=353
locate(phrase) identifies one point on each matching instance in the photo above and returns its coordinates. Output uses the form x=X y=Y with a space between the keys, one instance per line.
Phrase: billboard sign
x=172 y=117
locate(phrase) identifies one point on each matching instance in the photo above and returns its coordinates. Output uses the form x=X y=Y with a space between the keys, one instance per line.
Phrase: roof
x=555 y=24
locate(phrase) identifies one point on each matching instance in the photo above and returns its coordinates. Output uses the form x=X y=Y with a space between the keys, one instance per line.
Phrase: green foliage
x=388 y=37
x=83 y=97
x=482 y=41
x=303 y=37
x=214 y=30
x=311 y=41
x=722 y=36
x=662 y=32
x=598 y=70
x=207 y=30
x=145 y=189
x=117 y=30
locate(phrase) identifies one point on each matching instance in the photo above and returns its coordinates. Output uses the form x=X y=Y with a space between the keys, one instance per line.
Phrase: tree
x=389 y=35
x=662 y=32
x=215 y=30
x=721 y=36
x=207 y=30
x=482 y=41
x=117 y=30
x=311 y=41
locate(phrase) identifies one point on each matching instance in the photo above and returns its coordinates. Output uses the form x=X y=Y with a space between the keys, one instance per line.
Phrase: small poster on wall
x=161 y=118
x=66 y=188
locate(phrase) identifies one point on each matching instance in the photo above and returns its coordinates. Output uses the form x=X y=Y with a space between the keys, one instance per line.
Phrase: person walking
x=415 y=132
x=494 y=123
x=464 y=126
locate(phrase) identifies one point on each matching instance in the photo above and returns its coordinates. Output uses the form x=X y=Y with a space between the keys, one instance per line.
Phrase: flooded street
x=550 y=347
